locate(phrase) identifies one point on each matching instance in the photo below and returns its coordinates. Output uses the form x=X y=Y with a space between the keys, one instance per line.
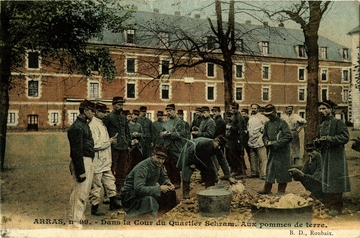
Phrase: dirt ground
x=35 y=196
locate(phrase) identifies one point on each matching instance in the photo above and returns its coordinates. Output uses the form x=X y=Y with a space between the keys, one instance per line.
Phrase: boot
x=114 y=205
x=209 y=180
x=186 y=190
x=281 y=188
x=267 y=188
x=106 y=200
x=95 y=211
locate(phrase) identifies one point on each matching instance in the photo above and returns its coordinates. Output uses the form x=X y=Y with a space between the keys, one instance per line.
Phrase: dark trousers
x=172 y=172
x=167 y=201
x=121 y=165
x=135 y=157
x=334 y=201
x=236 y=161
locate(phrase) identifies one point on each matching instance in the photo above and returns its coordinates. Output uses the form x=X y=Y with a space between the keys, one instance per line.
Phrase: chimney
x=197 y=15
x=265 y=23
x=281 y=24
x=156 y=10
x=248 y=22
x=177 y=13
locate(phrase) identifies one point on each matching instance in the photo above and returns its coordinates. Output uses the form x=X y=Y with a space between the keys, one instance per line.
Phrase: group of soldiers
x=123 y=144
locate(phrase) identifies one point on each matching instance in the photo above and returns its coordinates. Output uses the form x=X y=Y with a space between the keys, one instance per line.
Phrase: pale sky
x=340 y=19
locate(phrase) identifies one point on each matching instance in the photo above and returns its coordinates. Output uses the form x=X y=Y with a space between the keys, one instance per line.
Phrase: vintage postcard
x=269 y=68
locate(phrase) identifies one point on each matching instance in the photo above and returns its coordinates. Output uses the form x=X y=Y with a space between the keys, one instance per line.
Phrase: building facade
x=46 y=96
x=355 y=85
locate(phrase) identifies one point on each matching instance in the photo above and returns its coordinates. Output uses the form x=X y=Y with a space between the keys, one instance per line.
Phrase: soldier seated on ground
x=310 y=174
x=147 y=189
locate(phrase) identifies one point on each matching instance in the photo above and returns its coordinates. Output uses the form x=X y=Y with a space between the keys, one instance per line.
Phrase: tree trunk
x=5 y=72
x=228 y=83
x=311 y=43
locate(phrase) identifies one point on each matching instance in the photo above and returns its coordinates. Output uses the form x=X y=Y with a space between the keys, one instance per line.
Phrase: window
x=165 y=67
x=33 y=60
x=239 y=70
x=94 y=90
x=345 y=94
x=324 y=94
x=163 y=39
x=165 y=91
x=301 y=74
x=130 y=65
x=323 y=53
x=264 y=47
x=12 y=118
x=265 y=93
x=210 y=42
x=130 y=90
x=324 y=75
x=240 y=45
x=265 y=72
x=210 y=70
x=302 y=94
x=345 y=54
x=130 y=36
x=239 y=93
x=345 y=75
x=210 y=92
x=72 y=116
x=33 y=88
x=149 y=115
x=300 y=49
x=54 y=118
x=302 y=114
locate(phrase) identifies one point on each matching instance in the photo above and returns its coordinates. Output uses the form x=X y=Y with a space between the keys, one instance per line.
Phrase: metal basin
x=214 y=202
x=271 y=217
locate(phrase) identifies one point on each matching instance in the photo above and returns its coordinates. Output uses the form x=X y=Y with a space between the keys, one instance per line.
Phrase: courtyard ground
x=36 y=184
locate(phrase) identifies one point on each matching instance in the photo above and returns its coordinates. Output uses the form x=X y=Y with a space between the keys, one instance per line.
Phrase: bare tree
x=309 y=15
x=193 y=43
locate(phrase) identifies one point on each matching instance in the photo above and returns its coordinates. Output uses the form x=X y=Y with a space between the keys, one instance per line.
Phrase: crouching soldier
x=147 y=189
x=310 y=174
x=199 y=152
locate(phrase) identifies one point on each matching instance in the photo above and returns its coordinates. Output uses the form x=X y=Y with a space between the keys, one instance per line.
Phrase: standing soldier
x=207 y=126
x=180 y=115
x=195 y=124
x=295 y=123
x=220 y=125
x=173 y=132
x=103 y=176
x=147 y=140
x=81 y=166
x=277 y=137
x=332 y=137
x=238 y=127
x=157 y=125
x=136 y=134
x=118 y=128
x=257 y=149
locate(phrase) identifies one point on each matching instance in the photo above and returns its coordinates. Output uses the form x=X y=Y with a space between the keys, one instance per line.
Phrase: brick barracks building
x=47 y=97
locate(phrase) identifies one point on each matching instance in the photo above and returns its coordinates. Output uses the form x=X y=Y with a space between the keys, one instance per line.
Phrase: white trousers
x=104 y=179
x=80 y=193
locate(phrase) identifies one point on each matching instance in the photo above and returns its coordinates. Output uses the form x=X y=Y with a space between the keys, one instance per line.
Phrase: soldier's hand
x=113 y=140
x=232 y=181
x=296 y=174
x=81 y=178
x=164 y=188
